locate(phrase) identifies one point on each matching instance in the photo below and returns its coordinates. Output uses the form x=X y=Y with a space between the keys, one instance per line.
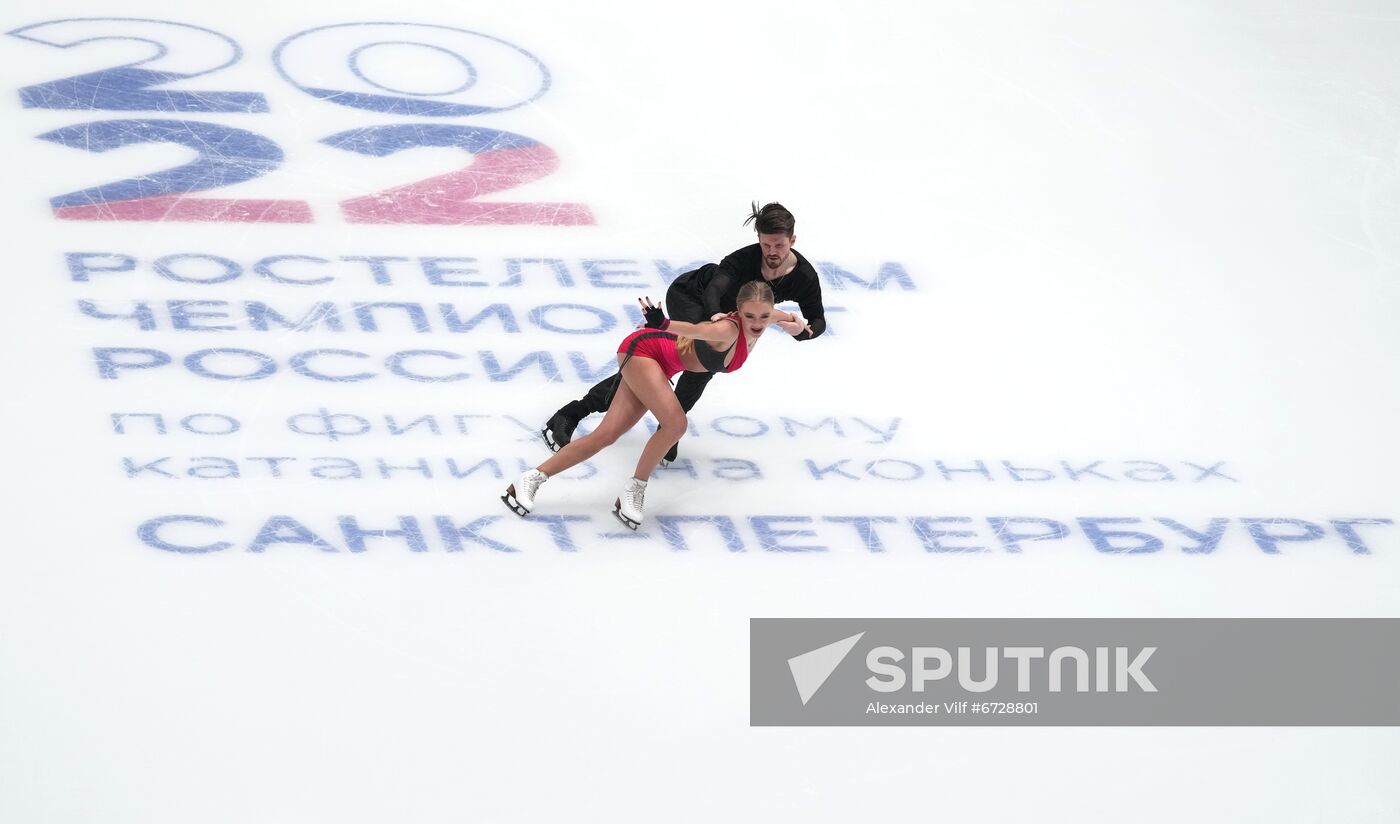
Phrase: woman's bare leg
x=652 y=389
x=623 y=414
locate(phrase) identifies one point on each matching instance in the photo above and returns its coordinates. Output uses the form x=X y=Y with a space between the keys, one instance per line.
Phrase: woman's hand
x=656 y=318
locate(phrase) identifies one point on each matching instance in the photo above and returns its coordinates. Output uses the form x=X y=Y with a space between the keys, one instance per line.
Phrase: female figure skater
x=648 y=358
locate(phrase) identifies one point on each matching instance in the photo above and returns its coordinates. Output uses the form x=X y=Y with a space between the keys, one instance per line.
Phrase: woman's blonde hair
x=754 y=290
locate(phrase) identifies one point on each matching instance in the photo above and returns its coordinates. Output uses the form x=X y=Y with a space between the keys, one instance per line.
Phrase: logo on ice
x=1113 y=669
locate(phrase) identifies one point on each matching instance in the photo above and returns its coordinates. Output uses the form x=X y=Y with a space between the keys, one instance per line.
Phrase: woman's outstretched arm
x=721 y=331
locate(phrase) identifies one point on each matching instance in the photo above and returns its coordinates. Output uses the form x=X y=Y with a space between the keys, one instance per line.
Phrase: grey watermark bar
x=1074 y=671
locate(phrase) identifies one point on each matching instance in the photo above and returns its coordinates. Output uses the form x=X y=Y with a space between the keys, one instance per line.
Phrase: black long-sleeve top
x=717 y=286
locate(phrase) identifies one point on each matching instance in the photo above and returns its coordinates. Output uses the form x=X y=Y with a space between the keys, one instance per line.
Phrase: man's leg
x=690 y=386
x=688 y=389
x=559 y=430
x=597 y=400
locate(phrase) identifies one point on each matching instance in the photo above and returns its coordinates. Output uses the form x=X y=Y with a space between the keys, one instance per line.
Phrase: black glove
x=656 y=319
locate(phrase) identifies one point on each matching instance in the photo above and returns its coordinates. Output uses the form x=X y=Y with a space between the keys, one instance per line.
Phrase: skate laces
x=636 y=492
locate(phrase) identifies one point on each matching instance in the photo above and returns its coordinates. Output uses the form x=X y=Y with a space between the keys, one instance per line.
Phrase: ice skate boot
x=670 y=456
x=628 y=507
x=520 y=496
x=558 y=431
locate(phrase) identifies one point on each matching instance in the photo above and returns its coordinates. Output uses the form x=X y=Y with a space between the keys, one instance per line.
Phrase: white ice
x=1161 y=232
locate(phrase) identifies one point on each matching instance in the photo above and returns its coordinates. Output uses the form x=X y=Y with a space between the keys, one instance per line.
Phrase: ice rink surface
x=1081 y=262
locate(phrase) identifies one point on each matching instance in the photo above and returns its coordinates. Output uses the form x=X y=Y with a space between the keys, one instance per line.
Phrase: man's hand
x=794 y=325
x=718 y=316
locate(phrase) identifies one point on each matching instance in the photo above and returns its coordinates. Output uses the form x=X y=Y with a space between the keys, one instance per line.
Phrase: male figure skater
x=709 y=293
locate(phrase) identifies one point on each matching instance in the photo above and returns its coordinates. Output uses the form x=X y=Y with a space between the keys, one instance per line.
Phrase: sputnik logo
x=811 y=669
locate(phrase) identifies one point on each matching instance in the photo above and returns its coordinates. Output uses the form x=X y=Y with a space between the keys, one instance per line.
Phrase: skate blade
x=549 y=442
x=511 y=503
x=628 y=522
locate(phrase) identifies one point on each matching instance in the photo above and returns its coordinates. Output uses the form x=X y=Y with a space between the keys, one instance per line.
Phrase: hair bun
x=771 y=219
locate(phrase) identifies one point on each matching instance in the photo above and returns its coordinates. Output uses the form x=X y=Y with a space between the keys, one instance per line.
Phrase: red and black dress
x=662 y=347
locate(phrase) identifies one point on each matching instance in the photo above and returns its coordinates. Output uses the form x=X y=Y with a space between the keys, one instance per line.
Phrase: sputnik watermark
x=1140 y=671
x=930 y=664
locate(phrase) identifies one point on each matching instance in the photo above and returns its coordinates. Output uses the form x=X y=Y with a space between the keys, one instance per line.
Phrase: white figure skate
x=520 y=496
x=628 y=507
